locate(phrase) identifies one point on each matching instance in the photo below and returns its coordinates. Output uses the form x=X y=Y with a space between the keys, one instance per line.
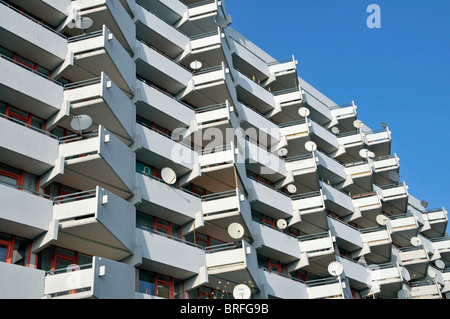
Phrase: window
x=209 y=293
x=16 y=177
x=158 y=224
x=56 y=258
x=14 y=250
x=160 y=285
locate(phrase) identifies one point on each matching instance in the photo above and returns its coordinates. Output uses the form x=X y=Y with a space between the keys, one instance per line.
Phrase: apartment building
x=148 y=150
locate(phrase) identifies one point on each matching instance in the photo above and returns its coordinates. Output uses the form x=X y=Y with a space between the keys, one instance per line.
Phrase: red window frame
x=9 y=250
x=274 y=264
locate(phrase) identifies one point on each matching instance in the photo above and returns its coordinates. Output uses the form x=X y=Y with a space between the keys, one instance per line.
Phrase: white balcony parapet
x=103 y=279
x=326 y=288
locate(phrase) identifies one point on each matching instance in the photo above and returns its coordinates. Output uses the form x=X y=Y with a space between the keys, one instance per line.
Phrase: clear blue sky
x=398 y=74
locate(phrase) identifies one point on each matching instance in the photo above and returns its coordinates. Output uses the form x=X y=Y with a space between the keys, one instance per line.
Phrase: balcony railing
x=223 y=247
x=180 y=240
x=21 y=188
x=12 y=119
x=57 y=200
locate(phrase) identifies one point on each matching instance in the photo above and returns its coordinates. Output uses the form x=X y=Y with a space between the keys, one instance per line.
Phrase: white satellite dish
x=415 y=241
x=431 y=273
x=358 y=124
x=424 y=204
x=282 y=151
x=168 y=175
x=292 y=188
x=365 y=153
x=81 y=122
x=303 y=112
x=394 y=176
x=310 y=146
x=335 y=268
x=236 y=231
x=405 y=274
x=84 y=23
x=335 y=130
x=382 y=220
x=282 y=224
x=242 y=292
x=439 y=263
x=404 y=294
x=384 y=125
x=195 y=65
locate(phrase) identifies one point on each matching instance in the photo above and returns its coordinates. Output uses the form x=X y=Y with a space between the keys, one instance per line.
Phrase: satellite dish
x=439 y=263
x=415 y=241
x=335 y=268
x=292 y=188
x=394 y=176
x=371 y=154
x=431 y=272
x=358 y=124
x=335 y=130
x=81 y=122
x=236 y=231
x=424 y=204
x=303 y=112
x=384 y=125
x=310 y=146
x=84 y=23
x=281 y=224
x=382 y=220
x=404 y=294
x=195 y=65
x=168 y=175
x=242 y=292
x=282 y=151
x=405 y=275
x=365 y=153
x=72 y=267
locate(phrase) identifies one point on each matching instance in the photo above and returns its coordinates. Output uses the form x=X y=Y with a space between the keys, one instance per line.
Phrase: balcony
x=317 y=252
x=337 y=201
x=235 y=263
x=347 y=236
x=168 y=202
x=281 y=286
x=99 y=221
x=158 y=33
x=169 y=255
x=200 y=17
x=269 y=200
x=260 y=159
x=28 y=89
x=109 y=13
x=394 y=198
x=25 y=212
x=215 y=116
x=152 y=102
x=209 y=86
x=285 y=75
x=425 y=289
x=222 y=209
x=317 y=103
x=382 y=168
x=304 y=170
x=360 y=177
x=152 y=63
x=403 y=228
x=287 y=103
x=367 y=208
x=296 y=134
x=327 y=288
x=105 y=103
x=312 y=212
x=163 y=150
x=380 y=244
x=33 y=39
x=344 y=116
x=94 y=159
x=19 y=282
x=415 y=259
x=441 y=245
x=388 y=277
x=22 y=144
x=437 y=219
x=252 y=93
x=103 y=279
x=379 y=141
x=356 y=273
x=330 y=169
x=276 y=244
x=98 y=52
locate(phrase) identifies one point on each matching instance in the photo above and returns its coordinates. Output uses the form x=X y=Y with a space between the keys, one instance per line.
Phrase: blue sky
x=398 y=74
